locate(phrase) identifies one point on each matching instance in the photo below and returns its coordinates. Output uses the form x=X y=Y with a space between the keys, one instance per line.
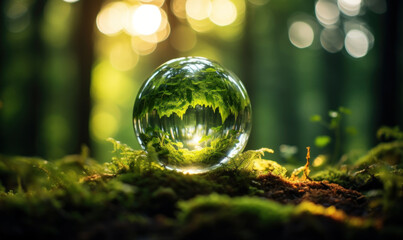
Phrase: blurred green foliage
x=46 y=72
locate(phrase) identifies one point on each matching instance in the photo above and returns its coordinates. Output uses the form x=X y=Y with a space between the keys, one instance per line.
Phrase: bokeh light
x=142 y=47
x=319 y=160
x=157 y=3
x=198 y=9
x=104 y=121
x=361 y=26
x=18 y=18
x=110 y=89
x=146 y=19
x=332 y=39
x=356 y=43
x=122 y=58
x=110 y=85
x=178 y=7
x=158 y=36
x=192 y=28
x=350 y=7
x=183 y=38
x=204 y=25
x=327 y=12
x=56 y=15
x=339 y=17
x=223 y=12
x=301 y=34
x=110 y=19
x=162 y=32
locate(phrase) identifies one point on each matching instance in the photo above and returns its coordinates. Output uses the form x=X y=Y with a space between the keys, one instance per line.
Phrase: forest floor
x=132 y=197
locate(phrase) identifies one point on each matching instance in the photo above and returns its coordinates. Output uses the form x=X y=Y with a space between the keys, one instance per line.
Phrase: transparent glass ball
x=192 y=114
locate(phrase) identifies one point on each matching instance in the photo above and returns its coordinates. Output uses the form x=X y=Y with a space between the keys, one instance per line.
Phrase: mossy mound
x=132 y=197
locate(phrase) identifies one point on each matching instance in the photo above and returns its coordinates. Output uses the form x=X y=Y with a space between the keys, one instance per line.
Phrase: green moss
x=171 y=153
x=222 y=217
x=257 y=218
x=343 y=178
x=389 y=152
x=265 y=212
x=133 y=197
x=369 y=171
x=389 y=133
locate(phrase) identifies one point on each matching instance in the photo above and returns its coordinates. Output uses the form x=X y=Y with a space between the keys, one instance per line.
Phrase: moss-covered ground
x=132 y=197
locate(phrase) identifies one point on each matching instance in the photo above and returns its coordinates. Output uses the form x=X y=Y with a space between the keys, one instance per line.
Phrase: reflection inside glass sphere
x=193 y=113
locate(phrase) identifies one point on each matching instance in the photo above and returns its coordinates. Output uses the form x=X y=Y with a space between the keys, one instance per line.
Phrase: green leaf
x=322 y=141
x=344 y=110
x=316 y=118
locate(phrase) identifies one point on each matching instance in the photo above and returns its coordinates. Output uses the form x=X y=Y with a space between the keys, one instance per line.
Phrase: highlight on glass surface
x=193 y=113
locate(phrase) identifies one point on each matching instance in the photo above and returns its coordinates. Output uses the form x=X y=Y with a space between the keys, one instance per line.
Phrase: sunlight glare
x=158 y=36
x=110 y=19
x=198 y=9
x=194 y=142
x=146 y=19
x=191 y=171
x=301 y=34
x=157 y=3
x=162 y=33
x=223 y=12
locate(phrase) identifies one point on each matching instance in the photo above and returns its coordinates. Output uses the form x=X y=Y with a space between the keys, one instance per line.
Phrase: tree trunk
x=84 y=46
x=388 y=80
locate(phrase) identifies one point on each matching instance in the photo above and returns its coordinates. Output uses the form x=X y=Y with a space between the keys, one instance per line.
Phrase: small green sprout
x=334 y=125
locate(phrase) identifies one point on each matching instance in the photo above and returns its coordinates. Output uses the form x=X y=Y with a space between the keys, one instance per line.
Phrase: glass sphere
x=193 y=114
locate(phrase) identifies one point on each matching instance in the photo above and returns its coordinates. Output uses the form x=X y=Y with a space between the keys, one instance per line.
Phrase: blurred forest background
x=70 y=70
